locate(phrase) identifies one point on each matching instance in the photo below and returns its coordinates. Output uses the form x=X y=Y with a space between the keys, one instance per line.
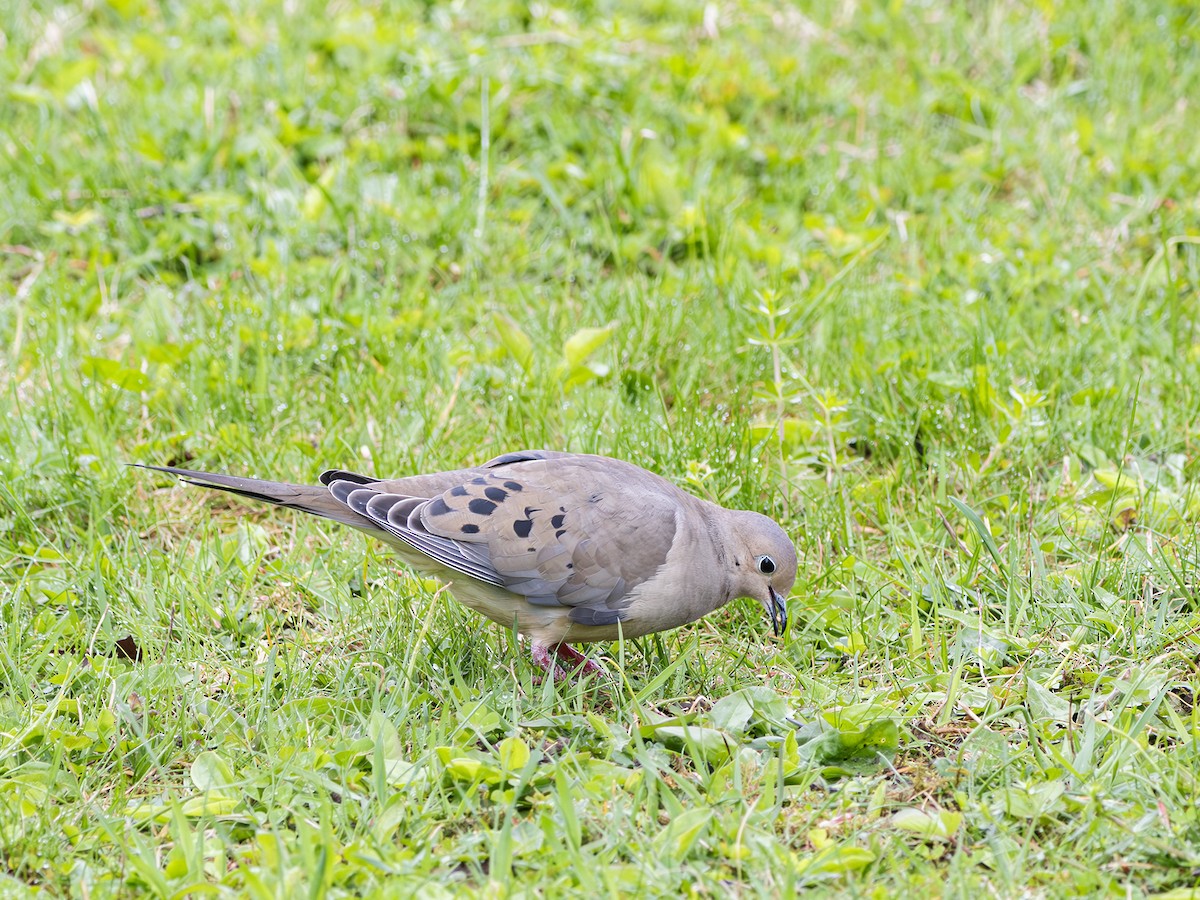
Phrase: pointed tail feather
x=312 y=499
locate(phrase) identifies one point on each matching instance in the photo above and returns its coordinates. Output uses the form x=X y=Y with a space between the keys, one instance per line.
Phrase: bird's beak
x=777 y=611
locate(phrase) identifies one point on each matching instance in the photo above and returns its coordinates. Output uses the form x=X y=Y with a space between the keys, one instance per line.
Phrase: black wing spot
x=470 y=528
x=437 y=507
x=518 y=456
x=478 y=479
x=332 y=475
x=495 y=493
x=522 y=527
x=513 y=486
x=481 y=507
x=557 y=521
x=559 y=533
x=459 y=491
x=530 y=510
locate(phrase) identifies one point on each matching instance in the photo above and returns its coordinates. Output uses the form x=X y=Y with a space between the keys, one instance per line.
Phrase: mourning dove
x=568 y=547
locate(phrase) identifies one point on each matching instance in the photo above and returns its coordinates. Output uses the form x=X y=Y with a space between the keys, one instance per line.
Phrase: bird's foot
x=548 y=658
x=570 y=655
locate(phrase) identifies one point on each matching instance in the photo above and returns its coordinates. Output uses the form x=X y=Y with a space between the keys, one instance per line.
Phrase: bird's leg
x=548 y=658
x=575 y=659
x=544 y=656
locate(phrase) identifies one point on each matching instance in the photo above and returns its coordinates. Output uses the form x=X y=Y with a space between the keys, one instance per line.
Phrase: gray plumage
x=569 y=547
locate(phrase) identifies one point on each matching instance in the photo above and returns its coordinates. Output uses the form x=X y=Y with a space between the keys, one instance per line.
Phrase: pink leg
x=544 y=657
x=569 y=654
x=548 y=658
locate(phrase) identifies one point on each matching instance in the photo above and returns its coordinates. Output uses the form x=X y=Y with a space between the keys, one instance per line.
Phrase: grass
x=919 y=280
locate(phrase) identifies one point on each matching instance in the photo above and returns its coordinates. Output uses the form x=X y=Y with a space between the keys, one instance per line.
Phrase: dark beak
x=777 y=610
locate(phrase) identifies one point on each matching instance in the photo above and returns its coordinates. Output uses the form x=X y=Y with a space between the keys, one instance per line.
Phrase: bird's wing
x=562 y=530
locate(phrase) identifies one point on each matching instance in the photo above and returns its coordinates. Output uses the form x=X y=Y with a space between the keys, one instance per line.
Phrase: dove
x=569 y=548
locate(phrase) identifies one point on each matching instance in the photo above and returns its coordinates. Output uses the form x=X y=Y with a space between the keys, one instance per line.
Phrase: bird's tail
x=313 y=499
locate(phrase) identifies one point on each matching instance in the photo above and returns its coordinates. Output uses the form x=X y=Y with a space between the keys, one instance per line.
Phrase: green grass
x=919 y=280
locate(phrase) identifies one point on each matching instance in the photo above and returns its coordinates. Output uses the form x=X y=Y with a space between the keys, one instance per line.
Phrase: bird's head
x=764 y=565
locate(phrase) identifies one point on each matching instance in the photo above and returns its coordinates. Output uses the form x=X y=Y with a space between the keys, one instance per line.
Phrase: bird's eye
x=766 y=565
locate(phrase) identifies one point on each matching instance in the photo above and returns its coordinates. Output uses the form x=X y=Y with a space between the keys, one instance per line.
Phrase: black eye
x=766 y=565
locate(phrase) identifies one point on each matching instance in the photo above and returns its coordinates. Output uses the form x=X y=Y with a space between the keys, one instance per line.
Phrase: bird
x=570 y=548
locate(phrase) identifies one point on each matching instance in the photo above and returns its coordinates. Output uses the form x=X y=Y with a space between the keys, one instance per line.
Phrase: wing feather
x=556 y=529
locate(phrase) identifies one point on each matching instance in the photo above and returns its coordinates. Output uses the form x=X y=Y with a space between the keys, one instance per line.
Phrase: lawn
x=918 y=280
